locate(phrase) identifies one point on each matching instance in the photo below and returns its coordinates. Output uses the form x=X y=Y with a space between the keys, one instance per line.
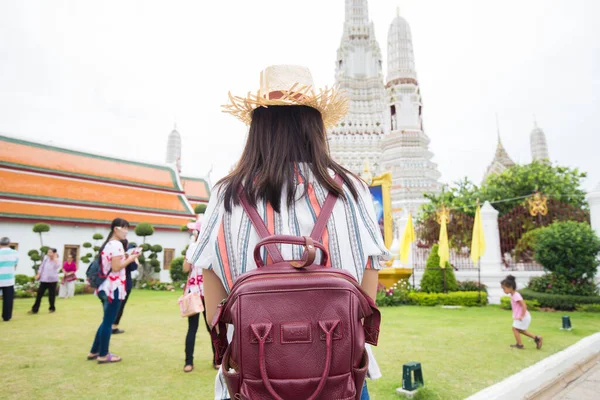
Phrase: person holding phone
x=48 y=277
x=132 y=266
x=112 y=291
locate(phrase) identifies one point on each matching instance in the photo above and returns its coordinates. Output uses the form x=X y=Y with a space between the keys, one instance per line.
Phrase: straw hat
x=289 y=85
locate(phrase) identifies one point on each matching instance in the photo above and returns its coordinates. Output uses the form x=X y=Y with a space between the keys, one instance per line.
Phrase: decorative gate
x=460 y=232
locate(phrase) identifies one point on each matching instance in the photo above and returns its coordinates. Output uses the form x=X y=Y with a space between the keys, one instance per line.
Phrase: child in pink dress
x=521 y=317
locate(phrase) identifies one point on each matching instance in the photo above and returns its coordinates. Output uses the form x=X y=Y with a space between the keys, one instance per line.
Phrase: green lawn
x=462 y=351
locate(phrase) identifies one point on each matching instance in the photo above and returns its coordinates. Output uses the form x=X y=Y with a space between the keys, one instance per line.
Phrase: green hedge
x=467 y=299
x=589 y=308
x=532 y=305
x=558 y=301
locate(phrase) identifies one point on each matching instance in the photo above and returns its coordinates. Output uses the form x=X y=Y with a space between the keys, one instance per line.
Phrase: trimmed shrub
x=22 y=279
x=557 y=301
x=87 y=245
x=568 y=249
x=470 y=286
x=467 y=299
x=200 y=208
x=595 y=308
x=532 y=305
x=433 y=278
x=144 y=229
x=559 y=284
x=176 y=270
x=98 y=236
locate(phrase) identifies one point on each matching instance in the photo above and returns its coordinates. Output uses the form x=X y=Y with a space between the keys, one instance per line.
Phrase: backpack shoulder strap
x=259 y=225
x=326 y=211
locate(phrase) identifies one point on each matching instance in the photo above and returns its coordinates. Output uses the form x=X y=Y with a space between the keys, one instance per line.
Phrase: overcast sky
x=114 y=76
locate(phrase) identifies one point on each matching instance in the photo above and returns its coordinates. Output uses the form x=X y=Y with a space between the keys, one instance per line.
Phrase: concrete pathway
x=587 y=387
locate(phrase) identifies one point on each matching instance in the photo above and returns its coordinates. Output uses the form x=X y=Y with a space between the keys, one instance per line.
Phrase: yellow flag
x=408 y=236
x=444 y=248
x=478 y=240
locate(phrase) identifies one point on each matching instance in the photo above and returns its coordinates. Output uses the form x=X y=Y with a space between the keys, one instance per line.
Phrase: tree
x=144 y=229
x=433 y=278
x=200 y=208
x=516 y=182
x=41 y=228
x=461 y=195
x=554 y=181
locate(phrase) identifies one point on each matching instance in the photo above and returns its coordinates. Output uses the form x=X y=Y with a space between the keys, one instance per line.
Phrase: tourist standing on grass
x=133 y=266
x=67 y=286
x=9 y=259
x=194 y=285
x=521 y=317
x=113 y=290
x=48 y=277
x=287 y=172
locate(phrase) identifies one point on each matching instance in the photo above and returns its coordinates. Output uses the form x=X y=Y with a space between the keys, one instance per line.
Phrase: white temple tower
x=357 y=138
x=405 y=148
x=174 y=149
x=539 y=146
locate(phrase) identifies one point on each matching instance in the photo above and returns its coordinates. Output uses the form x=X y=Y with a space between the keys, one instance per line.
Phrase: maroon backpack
x=298 y=331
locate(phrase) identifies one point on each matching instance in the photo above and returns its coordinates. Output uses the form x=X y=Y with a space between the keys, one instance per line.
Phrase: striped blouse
x=352 y=236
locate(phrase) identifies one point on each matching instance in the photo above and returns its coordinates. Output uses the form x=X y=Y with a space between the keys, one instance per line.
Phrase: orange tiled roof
x=196 y=189
x=39 y=182
x=15 y=209
x=40 y=157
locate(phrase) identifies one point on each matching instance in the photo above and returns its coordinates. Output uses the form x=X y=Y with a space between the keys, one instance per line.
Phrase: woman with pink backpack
x=291 y=250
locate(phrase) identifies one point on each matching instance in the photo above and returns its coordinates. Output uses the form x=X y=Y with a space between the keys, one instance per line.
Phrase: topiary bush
x=87 y=245
x=569 y=250
x=176 y=270
x=98 y=236
x=433 y=278
x=200 y=209
x=144 y=229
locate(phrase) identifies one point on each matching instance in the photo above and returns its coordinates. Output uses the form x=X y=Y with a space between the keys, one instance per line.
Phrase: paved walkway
x=587 y=387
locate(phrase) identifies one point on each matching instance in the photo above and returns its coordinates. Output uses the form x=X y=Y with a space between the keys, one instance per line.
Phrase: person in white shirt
x=9 y=259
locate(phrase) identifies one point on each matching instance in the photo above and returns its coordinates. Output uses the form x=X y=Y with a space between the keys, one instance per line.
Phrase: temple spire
x=357 y=12
x=174 y=148
x=539 y=145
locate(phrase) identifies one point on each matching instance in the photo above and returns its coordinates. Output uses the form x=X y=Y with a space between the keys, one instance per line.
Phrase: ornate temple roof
x=39 y=182
x=500 y=162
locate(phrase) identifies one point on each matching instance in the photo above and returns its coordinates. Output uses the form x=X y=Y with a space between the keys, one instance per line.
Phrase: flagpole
x=479 y=278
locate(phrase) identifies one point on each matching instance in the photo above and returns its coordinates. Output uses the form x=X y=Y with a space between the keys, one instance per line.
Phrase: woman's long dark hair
x=279 y=138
